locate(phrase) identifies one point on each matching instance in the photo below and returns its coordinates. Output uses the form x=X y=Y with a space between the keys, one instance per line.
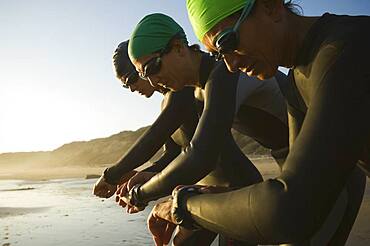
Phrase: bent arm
x=293 y=206
x=170 y=119
x=171 y=150
x=210 y=136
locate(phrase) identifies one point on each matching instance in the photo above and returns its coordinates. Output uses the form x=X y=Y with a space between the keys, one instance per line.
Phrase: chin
x=263 y=76
x=174 y=88
x=261 y=71
x=267 y=74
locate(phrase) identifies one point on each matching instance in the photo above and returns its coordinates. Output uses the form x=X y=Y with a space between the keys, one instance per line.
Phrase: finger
x=125 y=199
x=134 y=210
x=179 y=237
x=168 y=233
x=119 y=190
x=137 y=209
x=150 y=221
x=155 y=226
x=122 y=203
x=131 y=183
x=124 y=192
x=131 y=209
x=158 y=241
x=157 y=232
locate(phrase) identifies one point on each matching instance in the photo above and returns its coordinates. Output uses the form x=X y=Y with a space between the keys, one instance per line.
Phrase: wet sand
x=6 y=212
x=64 y=212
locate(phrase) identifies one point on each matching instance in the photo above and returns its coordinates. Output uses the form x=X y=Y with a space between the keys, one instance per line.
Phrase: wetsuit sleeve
x=179 y=105
x=295 y=125
x=171 y=150
x=293 y=206
x=198 y=159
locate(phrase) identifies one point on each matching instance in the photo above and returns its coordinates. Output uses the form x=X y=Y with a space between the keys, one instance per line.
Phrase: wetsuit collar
x=206 y=65
x=302 y=58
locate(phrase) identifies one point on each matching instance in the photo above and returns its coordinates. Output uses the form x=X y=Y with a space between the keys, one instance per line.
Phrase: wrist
x=135 y=197
x=180 y=214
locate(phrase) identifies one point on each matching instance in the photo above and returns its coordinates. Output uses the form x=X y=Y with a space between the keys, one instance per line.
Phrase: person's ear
x=272 y=8
x=179 y=47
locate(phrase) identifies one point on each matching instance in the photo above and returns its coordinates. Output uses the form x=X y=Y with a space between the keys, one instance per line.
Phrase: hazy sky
x=56 y=78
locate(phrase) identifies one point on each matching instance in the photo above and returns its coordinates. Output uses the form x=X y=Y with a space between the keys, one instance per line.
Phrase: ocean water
x=64 y=212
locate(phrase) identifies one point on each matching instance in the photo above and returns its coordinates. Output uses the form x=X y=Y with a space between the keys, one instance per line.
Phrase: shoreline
x=266 y=165
x=44 y=174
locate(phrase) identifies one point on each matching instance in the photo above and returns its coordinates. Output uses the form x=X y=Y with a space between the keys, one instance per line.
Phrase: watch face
x=190 y=189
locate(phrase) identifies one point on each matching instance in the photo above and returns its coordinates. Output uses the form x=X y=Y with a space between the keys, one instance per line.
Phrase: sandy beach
x=56 y=207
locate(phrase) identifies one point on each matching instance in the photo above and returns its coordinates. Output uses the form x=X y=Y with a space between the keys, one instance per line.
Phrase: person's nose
x=132 y=88
x=232 y=62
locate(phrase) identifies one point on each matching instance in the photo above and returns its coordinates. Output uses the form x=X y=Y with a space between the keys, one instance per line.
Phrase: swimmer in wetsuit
x=262 y=108
x=329 y=129
x=175 y=127
x=168 y=123
x=261 y=114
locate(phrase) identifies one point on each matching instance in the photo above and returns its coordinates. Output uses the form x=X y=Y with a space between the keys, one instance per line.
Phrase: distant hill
x=100 y=152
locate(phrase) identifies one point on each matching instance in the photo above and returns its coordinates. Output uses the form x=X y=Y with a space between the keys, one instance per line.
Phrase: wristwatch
x=135 y=198
x=179 y=213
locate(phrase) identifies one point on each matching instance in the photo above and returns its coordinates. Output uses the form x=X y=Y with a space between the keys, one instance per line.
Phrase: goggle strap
x=244 y=14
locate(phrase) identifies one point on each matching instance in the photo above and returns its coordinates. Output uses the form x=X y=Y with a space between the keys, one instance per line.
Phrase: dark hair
x=194 y=47
x=293 y=7
x=121 y=61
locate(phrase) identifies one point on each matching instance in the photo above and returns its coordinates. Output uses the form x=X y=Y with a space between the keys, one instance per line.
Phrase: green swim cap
x=205 y=14
x=152 y=34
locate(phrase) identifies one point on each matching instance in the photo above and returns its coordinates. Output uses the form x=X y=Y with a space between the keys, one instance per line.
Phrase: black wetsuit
x=169 y=122
x=212 y=141
x=257 y=110
x=260 y=108
x=330 y=128
x=179 y=118
x=176 y=124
